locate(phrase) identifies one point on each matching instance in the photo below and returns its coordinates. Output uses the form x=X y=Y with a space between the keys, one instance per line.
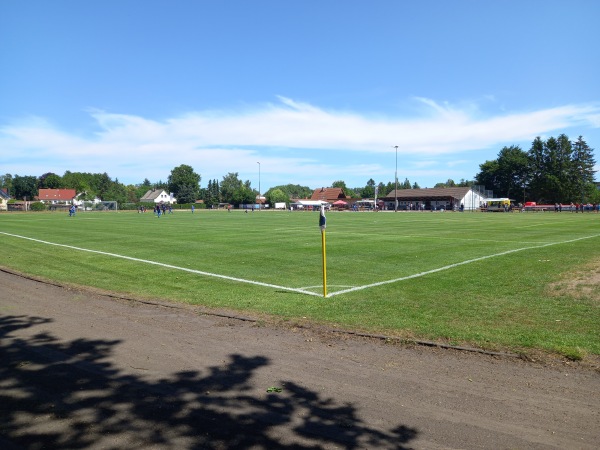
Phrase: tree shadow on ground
x=66 y=395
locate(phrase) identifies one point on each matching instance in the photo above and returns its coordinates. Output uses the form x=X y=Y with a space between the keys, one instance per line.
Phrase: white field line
x=544 y=224
x=169 y=266
x=320 y=286
x=450 y=238
x=303 y=291
x=440 y=269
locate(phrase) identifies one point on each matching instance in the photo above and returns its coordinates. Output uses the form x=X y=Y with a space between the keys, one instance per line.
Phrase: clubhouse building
x=435 y=199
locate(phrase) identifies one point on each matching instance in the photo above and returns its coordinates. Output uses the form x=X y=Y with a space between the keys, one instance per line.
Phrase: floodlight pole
x=259 y=199
x=396 y=177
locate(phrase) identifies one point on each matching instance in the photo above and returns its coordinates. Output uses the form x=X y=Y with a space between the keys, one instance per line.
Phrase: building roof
x=4 y=194
x=309 y=202
x=158 y=196
x=432 y=194
x=328 y=194
x=63 y=195
x=152 y=195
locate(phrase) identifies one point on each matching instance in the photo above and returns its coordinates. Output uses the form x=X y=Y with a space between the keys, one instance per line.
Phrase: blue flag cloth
x=322 y=219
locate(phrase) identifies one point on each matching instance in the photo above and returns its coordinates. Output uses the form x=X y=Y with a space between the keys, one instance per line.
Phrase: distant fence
x=563 y=208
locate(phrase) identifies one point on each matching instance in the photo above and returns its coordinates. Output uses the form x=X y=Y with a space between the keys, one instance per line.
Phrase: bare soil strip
x=82 y=370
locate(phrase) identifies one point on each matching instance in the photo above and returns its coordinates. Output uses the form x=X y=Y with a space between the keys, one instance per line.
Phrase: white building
x=435 y=199
x=158 y=196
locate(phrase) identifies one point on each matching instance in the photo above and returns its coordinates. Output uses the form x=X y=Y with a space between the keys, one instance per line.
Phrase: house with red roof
x=57 y=196
x=329 y=195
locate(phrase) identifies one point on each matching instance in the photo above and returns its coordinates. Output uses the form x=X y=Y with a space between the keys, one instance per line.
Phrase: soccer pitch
x=490 y=279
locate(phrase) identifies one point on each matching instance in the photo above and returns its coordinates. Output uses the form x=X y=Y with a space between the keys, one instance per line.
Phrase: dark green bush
x=37 y=206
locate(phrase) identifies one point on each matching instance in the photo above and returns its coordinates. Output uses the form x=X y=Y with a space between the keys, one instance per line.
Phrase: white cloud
x=594 y=120
x=457 y=162
x=293 y=140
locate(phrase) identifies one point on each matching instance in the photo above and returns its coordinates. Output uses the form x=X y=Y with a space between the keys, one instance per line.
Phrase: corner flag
x=323 y=225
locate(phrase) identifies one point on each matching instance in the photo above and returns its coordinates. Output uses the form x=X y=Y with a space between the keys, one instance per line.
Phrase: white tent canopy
x=301 y=204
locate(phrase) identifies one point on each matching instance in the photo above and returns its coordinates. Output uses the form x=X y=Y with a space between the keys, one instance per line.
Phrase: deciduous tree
x=340 y=184
x=25 y=187
x=295 y=190
x=50 y=181
x=184 y=183
x=236 y=192
x=276 y=196
x=369 y=190
x=507 y=174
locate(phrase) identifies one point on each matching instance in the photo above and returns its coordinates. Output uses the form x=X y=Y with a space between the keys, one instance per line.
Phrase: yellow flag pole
x=324 y=252
x=323 y=225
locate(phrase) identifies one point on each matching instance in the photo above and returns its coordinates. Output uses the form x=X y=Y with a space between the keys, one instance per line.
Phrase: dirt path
x=80 y=370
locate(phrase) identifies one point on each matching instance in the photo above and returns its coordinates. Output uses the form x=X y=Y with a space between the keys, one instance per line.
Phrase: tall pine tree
x=561 y=171
x=582 y=169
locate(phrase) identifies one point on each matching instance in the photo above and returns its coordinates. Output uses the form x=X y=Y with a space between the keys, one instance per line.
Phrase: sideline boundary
x=168 y=266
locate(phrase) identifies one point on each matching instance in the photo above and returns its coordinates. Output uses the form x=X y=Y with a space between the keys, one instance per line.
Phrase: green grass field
x=498 y=281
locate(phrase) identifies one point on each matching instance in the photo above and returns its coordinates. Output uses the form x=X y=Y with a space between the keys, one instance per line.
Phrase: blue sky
x=314 y=90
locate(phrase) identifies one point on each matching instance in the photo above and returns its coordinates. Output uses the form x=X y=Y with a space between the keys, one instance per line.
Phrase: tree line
x=184 y=183
x=554 y=170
